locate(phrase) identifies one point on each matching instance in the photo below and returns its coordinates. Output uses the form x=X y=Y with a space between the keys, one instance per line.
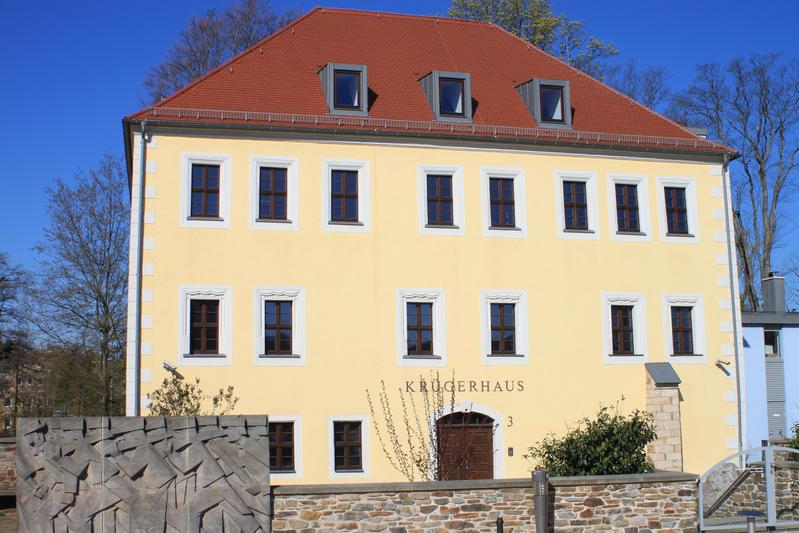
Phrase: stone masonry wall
x=8 y=475
x=664 y=405
x=661 y=502
x=751 y=494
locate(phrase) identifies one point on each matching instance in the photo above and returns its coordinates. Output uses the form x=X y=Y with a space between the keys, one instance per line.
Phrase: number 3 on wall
x=510 y=421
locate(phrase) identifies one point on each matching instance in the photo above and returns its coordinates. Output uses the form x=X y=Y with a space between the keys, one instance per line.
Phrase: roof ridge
x=603 y=84
x=393 y=14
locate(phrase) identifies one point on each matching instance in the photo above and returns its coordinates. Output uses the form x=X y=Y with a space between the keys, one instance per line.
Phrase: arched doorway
x=465 y=446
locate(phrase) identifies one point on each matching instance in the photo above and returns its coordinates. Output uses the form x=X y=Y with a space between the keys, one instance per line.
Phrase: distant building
x=771 y=366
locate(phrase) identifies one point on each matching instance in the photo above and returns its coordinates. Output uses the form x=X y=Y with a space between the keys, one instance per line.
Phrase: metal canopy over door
x=466 y=446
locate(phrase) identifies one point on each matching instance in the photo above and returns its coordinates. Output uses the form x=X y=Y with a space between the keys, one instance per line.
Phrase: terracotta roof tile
x=280 y=76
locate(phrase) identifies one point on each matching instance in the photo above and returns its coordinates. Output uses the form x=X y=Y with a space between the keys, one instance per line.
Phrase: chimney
x=773 y=288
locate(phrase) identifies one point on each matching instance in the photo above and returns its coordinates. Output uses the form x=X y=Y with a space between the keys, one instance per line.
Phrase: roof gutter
x=359 y=132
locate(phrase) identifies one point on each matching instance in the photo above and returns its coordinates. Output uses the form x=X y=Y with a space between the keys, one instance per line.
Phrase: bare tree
x=80 y=297
x=210 y=40
x=409 y=436
x=752 y=106
x=647 y=86
x=536 y=22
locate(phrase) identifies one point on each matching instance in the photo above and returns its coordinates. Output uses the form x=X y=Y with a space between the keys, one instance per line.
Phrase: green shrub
x=609 y=444
x=793 y=442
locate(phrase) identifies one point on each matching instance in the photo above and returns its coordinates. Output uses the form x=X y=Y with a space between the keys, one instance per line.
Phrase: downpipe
x=139 y=268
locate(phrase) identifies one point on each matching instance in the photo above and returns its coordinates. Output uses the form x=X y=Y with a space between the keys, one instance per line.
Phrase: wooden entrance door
x=465 y=446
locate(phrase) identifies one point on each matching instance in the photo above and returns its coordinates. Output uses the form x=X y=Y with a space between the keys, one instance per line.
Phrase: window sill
x=207 y=219
x=632 y=233
x=504 y=355
x=442 y=226
x=577 y=230
x=344 y=223
x=621 y=355
x=274 y=220
x=685 y=235
x=504 y=228
x=421 y=357
x=279 y=356
x=361 y=471
x=686 y=355
x=204 y=356
x=279 y=472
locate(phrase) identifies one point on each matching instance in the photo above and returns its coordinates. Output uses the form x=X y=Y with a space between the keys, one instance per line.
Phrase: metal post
x=500 y=525
x=540 y=490
x=750 y=524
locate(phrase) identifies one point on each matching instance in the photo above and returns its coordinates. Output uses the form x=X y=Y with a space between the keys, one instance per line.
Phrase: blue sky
x=72 y=70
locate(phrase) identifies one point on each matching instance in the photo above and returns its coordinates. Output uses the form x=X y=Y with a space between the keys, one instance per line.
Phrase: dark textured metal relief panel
x=131 y=474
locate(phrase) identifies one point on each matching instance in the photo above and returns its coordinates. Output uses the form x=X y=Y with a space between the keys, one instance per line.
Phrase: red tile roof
x=276 y=83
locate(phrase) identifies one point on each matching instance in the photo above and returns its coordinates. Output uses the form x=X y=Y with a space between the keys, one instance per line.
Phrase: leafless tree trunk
x=80 y=296
x=753 y=106
x=210 y=40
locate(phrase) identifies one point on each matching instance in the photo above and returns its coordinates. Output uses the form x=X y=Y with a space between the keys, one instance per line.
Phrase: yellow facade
x=350 y=282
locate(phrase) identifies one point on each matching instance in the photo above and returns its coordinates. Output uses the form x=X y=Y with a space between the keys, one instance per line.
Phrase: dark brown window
x=621 y=323
x=627 y=208
x=204 y=331
x=450 y=97
x=551 y=97
x=277 y=327
x=281 y=446
x=676 y=210
x=347 y=443
x=347 y=89
x=420 y=328
x=502 y=202
x=575 y=205
x=503 y=329
x=344 y=196
x=682 y=332
x=439 y=200
x=204 y=191
x=272 y=193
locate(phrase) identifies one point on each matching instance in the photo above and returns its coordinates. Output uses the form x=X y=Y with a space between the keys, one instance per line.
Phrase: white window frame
x=366 y=456
x=291 y=164
x=224 y=294
x=518 y=297
x=458 y=210
x=297 y=421
x=691 y=206
x=638 y=301
x=644 y=217
x=592 y=199
x=296 y=295
x=363 y=168
x=225 y=189
x=519 y=201
x=697 y=304
x=436 y=297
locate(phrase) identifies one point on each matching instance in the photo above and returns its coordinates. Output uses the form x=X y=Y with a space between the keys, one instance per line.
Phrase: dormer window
x=551 y=98
x=549 y=101
x=449 y=95
x=345 y=88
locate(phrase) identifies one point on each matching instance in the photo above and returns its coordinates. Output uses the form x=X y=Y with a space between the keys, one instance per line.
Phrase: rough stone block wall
x=8 y=471
x=664 y=405
x=666 y=503
x=167 y=474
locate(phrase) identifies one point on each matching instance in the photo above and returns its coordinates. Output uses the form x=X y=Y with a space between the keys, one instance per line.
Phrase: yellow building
x=366 y=197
